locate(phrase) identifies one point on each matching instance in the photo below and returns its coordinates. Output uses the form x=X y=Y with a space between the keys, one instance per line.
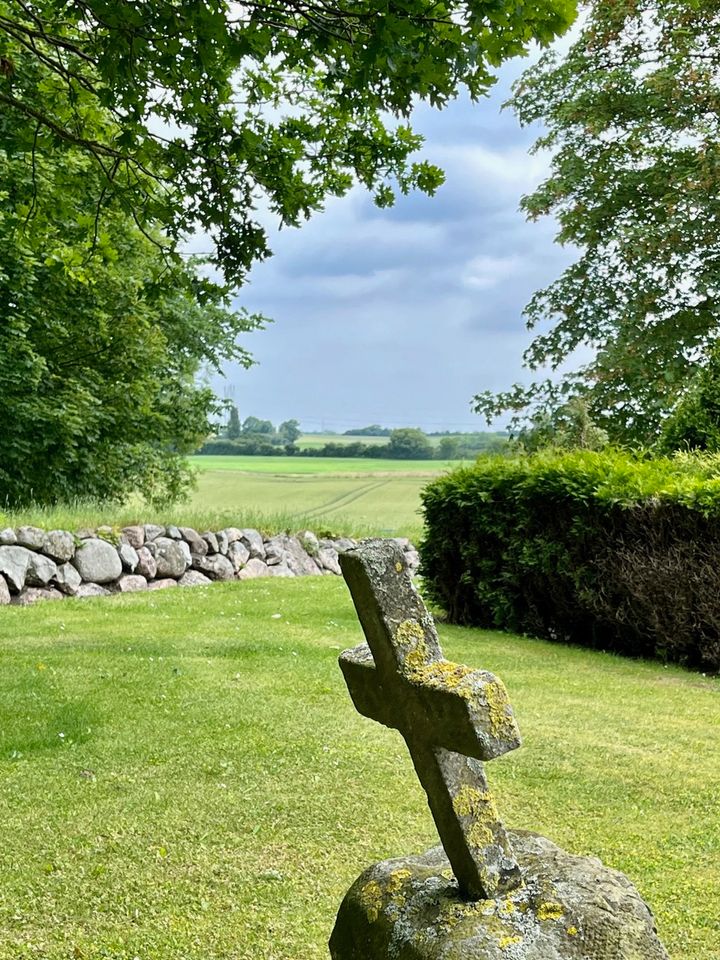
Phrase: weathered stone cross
x=451 y=717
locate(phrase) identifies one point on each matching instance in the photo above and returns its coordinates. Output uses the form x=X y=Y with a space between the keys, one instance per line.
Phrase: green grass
x=303 y=466
x=214 y=792
x=338 y=496
x=312 y=441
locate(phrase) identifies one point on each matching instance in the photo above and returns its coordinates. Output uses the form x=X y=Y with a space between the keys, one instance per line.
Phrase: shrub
x=599 y=549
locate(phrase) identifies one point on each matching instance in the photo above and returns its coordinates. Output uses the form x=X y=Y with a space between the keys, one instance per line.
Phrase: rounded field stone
x=97 y=561
x=170 y=557
x=569 y=908
x=14 y=565
x=59 y=544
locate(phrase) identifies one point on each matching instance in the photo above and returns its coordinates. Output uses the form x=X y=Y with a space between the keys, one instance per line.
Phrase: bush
x=599 y=549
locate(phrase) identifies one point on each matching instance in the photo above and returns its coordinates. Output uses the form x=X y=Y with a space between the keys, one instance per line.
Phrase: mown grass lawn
x=183 y=776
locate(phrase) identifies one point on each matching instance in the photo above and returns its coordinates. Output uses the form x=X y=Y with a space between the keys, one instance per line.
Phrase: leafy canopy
x=211 y=109
x=101 y=338
x=633 y=118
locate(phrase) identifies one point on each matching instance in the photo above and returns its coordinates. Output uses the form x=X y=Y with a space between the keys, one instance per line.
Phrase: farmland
x=341 y=495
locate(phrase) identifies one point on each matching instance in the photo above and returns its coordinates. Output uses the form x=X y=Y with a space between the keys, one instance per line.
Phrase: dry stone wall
x=38 y=564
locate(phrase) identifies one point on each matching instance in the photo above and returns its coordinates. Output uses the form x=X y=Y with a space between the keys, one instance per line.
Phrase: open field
x=342 y=495
x=313 y=441
x=183 y=775
x=339 y=495
x=297 y=466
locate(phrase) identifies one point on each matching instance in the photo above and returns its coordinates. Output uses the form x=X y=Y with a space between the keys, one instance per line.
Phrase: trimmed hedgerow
x=599 y=549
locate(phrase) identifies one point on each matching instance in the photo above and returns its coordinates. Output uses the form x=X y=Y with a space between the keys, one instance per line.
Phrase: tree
x=211 y=108
x=695 y=422
x=632 y=117
x=448 y=448
x=569 y=427
x=101 y=337
x=408 y=443
x=289 y=430
x=252 y=425
x=232 y=431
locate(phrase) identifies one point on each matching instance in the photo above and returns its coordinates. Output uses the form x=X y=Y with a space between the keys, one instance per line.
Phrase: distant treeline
x=404 y=443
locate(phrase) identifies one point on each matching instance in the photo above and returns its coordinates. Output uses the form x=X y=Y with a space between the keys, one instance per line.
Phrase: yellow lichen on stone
x=480 y=806
x=437 y=674
x=480 y=835
x=409 y=633
x=395 y=884
x=509 y=941
x=550 y=911
x=371 y=899
x=572 y=931
x=502 y=723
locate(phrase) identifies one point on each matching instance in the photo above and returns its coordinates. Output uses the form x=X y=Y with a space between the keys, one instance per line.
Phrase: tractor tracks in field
x=345 y=499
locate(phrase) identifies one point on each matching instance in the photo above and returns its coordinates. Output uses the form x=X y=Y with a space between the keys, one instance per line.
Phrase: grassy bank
x=184 y=776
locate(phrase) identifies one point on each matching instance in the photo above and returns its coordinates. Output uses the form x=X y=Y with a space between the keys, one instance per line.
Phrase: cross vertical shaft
x=450 y=716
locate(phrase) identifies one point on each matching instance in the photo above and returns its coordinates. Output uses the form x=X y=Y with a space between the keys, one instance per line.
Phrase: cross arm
x=463 y=710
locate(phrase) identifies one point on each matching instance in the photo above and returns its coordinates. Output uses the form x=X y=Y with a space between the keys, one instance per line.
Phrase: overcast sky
x=400 y=316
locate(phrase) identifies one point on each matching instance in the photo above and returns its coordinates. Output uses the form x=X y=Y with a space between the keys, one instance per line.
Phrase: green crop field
x=356 y=497
x=184 y=777
x=339 y=495
x=312 y=441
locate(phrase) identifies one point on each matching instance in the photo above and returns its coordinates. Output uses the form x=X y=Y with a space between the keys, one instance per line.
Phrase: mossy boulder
x=568 y=908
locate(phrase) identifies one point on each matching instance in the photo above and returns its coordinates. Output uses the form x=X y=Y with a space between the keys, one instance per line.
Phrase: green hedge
x=599 y=549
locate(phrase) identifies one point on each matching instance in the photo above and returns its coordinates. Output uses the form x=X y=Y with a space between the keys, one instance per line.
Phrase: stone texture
x=185 y=547
x=7 y=537
x=153 y=531
x=91 y=590
x=134 y=535
x=412 y=559
x=41 y=570
x=13 y=566
x=59 y=544
x=254 y=568
x=280 y=570
x=31 y=595
x=146 y=565
x=4 y=592
x=569 y=908
x=67 y=579
x=288 y=550
x=97 y=561
x=222 y=542
x=198 y=547
x=162 y=584
x=173 y=532
x=309 y=542
x=254 y=542
x=216 y=567
x=193 y=578
x=170 y=558
x=342 y=544
x=450 y=716
x=131 y=583
x=30 y=537
x=232 y=534
x=328 y=559
x=128 y=557
x=274 y=551
x=211 y=541
x=238 y=555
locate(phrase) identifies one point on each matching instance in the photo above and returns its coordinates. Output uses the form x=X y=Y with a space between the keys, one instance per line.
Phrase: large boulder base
x=569 y=908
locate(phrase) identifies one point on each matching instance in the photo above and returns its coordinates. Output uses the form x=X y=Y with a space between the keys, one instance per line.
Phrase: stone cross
x=450 y=716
